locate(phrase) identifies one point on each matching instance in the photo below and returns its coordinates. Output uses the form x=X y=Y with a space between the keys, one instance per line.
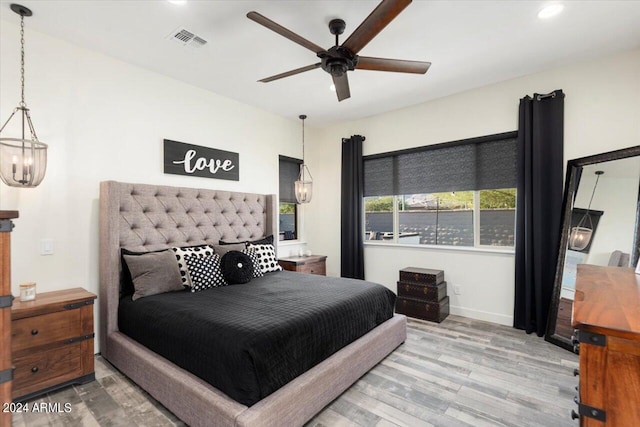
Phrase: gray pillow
x=154 y=273
x=223 y=249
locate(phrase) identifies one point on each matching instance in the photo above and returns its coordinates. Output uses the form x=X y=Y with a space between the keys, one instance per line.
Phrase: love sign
x=195 y=160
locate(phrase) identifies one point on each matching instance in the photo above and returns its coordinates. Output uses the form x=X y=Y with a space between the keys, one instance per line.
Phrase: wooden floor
x=461 y=372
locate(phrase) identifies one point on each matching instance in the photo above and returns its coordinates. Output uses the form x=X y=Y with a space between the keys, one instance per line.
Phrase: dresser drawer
x=313 y=268
x=42 y=369
x=36 y=331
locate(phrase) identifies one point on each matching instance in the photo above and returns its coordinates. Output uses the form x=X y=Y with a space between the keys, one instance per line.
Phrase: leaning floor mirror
x=600 y=226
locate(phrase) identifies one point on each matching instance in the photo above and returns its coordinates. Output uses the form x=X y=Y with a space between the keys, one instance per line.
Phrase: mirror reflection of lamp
x=581 y=234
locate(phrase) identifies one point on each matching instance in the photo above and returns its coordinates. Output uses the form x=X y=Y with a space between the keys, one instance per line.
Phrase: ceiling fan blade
x=291 y=73
x=342 y=87
x=386 y=11
x=273 y=26
x=395 y=65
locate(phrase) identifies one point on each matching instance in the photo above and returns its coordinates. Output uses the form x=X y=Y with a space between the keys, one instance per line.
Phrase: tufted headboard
x=142 y=217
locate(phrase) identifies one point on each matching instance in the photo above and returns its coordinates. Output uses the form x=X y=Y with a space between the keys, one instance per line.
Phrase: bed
x=141 y=217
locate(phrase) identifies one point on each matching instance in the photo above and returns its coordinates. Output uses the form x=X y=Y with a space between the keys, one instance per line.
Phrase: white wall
x=105 y=120
x=602 y=111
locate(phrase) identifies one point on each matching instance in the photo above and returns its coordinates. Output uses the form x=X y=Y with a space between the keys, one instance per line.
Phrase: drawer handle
x=34 y=369
x=34 y=332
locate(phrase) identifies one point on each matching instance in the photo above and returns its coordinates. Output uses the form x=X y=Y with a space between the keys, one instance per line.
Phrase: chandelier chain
x=22 y=103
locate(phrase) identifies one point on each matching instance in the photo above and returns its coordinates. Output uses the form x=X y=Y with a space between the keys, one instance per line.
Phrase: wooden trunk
x=425 y=310
x=607 y=315
x=433 y=293
x=424 y=276
x=52 y=342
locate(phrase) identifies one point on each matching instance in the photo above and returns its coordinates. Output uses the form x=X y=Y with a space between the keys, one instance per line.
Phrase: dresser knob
x=574 y=415
x=34 y=332
x=34 y=369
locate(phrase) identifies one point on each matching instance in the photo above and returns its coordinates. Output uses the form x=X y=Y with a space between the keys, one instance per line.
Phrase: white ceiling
x=470 y=44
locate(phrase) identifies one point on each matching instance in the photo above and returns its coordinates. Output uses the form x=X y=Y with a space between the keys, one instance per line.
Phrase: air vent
x=186 y=38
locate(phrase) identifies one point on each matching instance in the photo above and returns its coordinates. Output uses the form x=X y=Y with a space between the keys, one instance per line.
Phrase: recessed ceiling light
x=177 y=1
x=551 y=11
x=332 y=88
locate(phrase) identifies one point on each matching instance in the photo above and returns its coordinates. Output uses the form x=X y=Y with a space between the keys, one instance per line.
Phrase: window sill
x=291 y=242
x=506 y=251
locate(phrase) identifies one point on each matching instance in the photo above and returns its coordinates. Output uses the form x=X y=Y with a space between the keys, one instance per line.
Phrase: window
x=288 y=208
x=455 y=194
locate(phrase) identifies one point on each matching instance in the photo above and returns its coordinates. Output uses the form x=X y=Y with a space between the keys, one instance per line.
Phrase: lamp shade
x=23 y=162
x=579 y=238
x=303 y=187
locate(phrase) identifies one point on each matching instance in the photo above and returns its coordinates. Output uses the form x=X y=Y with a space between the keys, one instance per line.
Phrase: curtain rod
x=546 y=95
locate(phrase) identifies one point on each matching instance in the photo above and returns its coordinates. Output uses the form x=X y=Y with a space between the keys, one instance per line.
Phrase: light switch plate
x=46 y=247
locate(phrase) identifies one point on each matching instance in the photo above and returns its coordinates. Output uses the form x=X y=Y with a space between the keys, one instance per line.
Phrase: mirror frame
x=569 y=190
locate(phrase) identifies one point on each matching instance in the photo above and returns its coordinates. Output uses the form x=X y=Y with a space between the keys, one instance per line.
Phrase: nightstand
x=52 y=342
x=312 y=264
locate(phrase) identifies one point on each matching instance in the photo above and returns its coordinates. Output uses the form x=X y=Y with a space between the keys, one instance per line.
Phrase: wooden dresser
x=52 y=342
x=312 y=264
x=6 y=373
x=606 y=314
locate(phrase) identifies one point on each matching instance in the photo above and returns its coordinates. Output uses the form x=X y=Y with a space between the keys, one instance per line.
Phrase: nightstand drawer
x=42 y=369
x=312 y=264
x=313 y=268
x=36 y=331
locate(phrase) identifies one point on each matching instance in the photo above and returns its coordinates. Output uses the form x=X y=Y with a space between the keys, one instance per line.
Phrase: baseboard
x=501 y=319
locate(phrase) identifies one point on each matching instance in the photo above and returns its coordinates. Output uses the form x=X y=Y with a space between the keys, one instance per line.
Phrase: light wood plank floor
x=461 y=372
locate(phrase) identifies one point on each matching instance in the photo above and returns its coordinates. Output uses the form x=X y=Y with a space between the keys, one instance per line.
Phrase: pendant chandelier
x=23 y=161
x=581 y=234
x=303 y=186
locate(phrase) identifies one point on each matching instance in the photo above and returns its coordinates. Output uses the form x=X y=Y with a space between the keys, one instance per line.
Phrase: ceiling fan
x=339 y=59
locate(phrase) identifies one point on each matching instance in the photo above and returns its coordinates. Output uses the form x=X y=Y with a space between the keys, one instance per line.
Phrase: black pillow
x=236 y=267
x=264 y=241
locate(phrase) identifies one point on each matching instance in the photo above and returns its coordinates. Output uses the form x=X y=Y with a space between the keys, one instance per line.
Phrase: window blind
x=289 y=169
x=474 y=164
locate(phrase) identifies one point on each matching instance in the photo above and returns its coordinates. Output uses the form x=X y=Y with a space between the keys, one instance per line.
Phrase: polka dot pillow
x=205 y=272
x=266 y=257
x=257 y=271
x=199 y=251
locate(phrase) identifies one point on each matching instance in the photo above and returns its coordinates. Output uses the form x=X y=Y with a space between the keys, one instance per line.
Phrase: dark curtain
x=351 y=232
x=539 y=206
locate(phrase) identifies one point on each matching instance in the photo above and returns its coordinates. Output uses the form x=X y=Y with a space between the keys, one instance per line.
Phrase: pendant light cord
x=22 y=103
x=593 y=192
x=586 y=215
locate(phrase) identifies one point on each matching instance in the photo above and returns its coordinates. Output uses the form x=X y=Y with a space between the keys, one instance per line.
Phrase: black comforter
x=249 y=340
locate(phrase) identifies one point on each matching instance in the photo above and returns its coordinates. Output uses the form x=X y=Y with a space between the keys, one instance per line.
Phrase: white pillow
x=266 y=257
x=199 y=251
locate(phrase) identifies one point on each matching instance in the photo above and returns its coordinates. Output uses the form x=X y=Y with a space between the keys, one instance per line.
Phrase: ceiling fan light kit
x=342 y=58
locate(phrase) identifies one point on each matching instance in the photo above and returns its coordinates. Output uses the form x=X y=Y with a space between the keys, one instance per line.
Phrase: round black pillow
x=236 y=267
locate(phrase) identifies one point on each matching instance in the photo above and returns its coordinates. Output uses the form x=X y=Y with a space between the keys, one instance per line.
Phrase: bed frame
x=143 y=217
